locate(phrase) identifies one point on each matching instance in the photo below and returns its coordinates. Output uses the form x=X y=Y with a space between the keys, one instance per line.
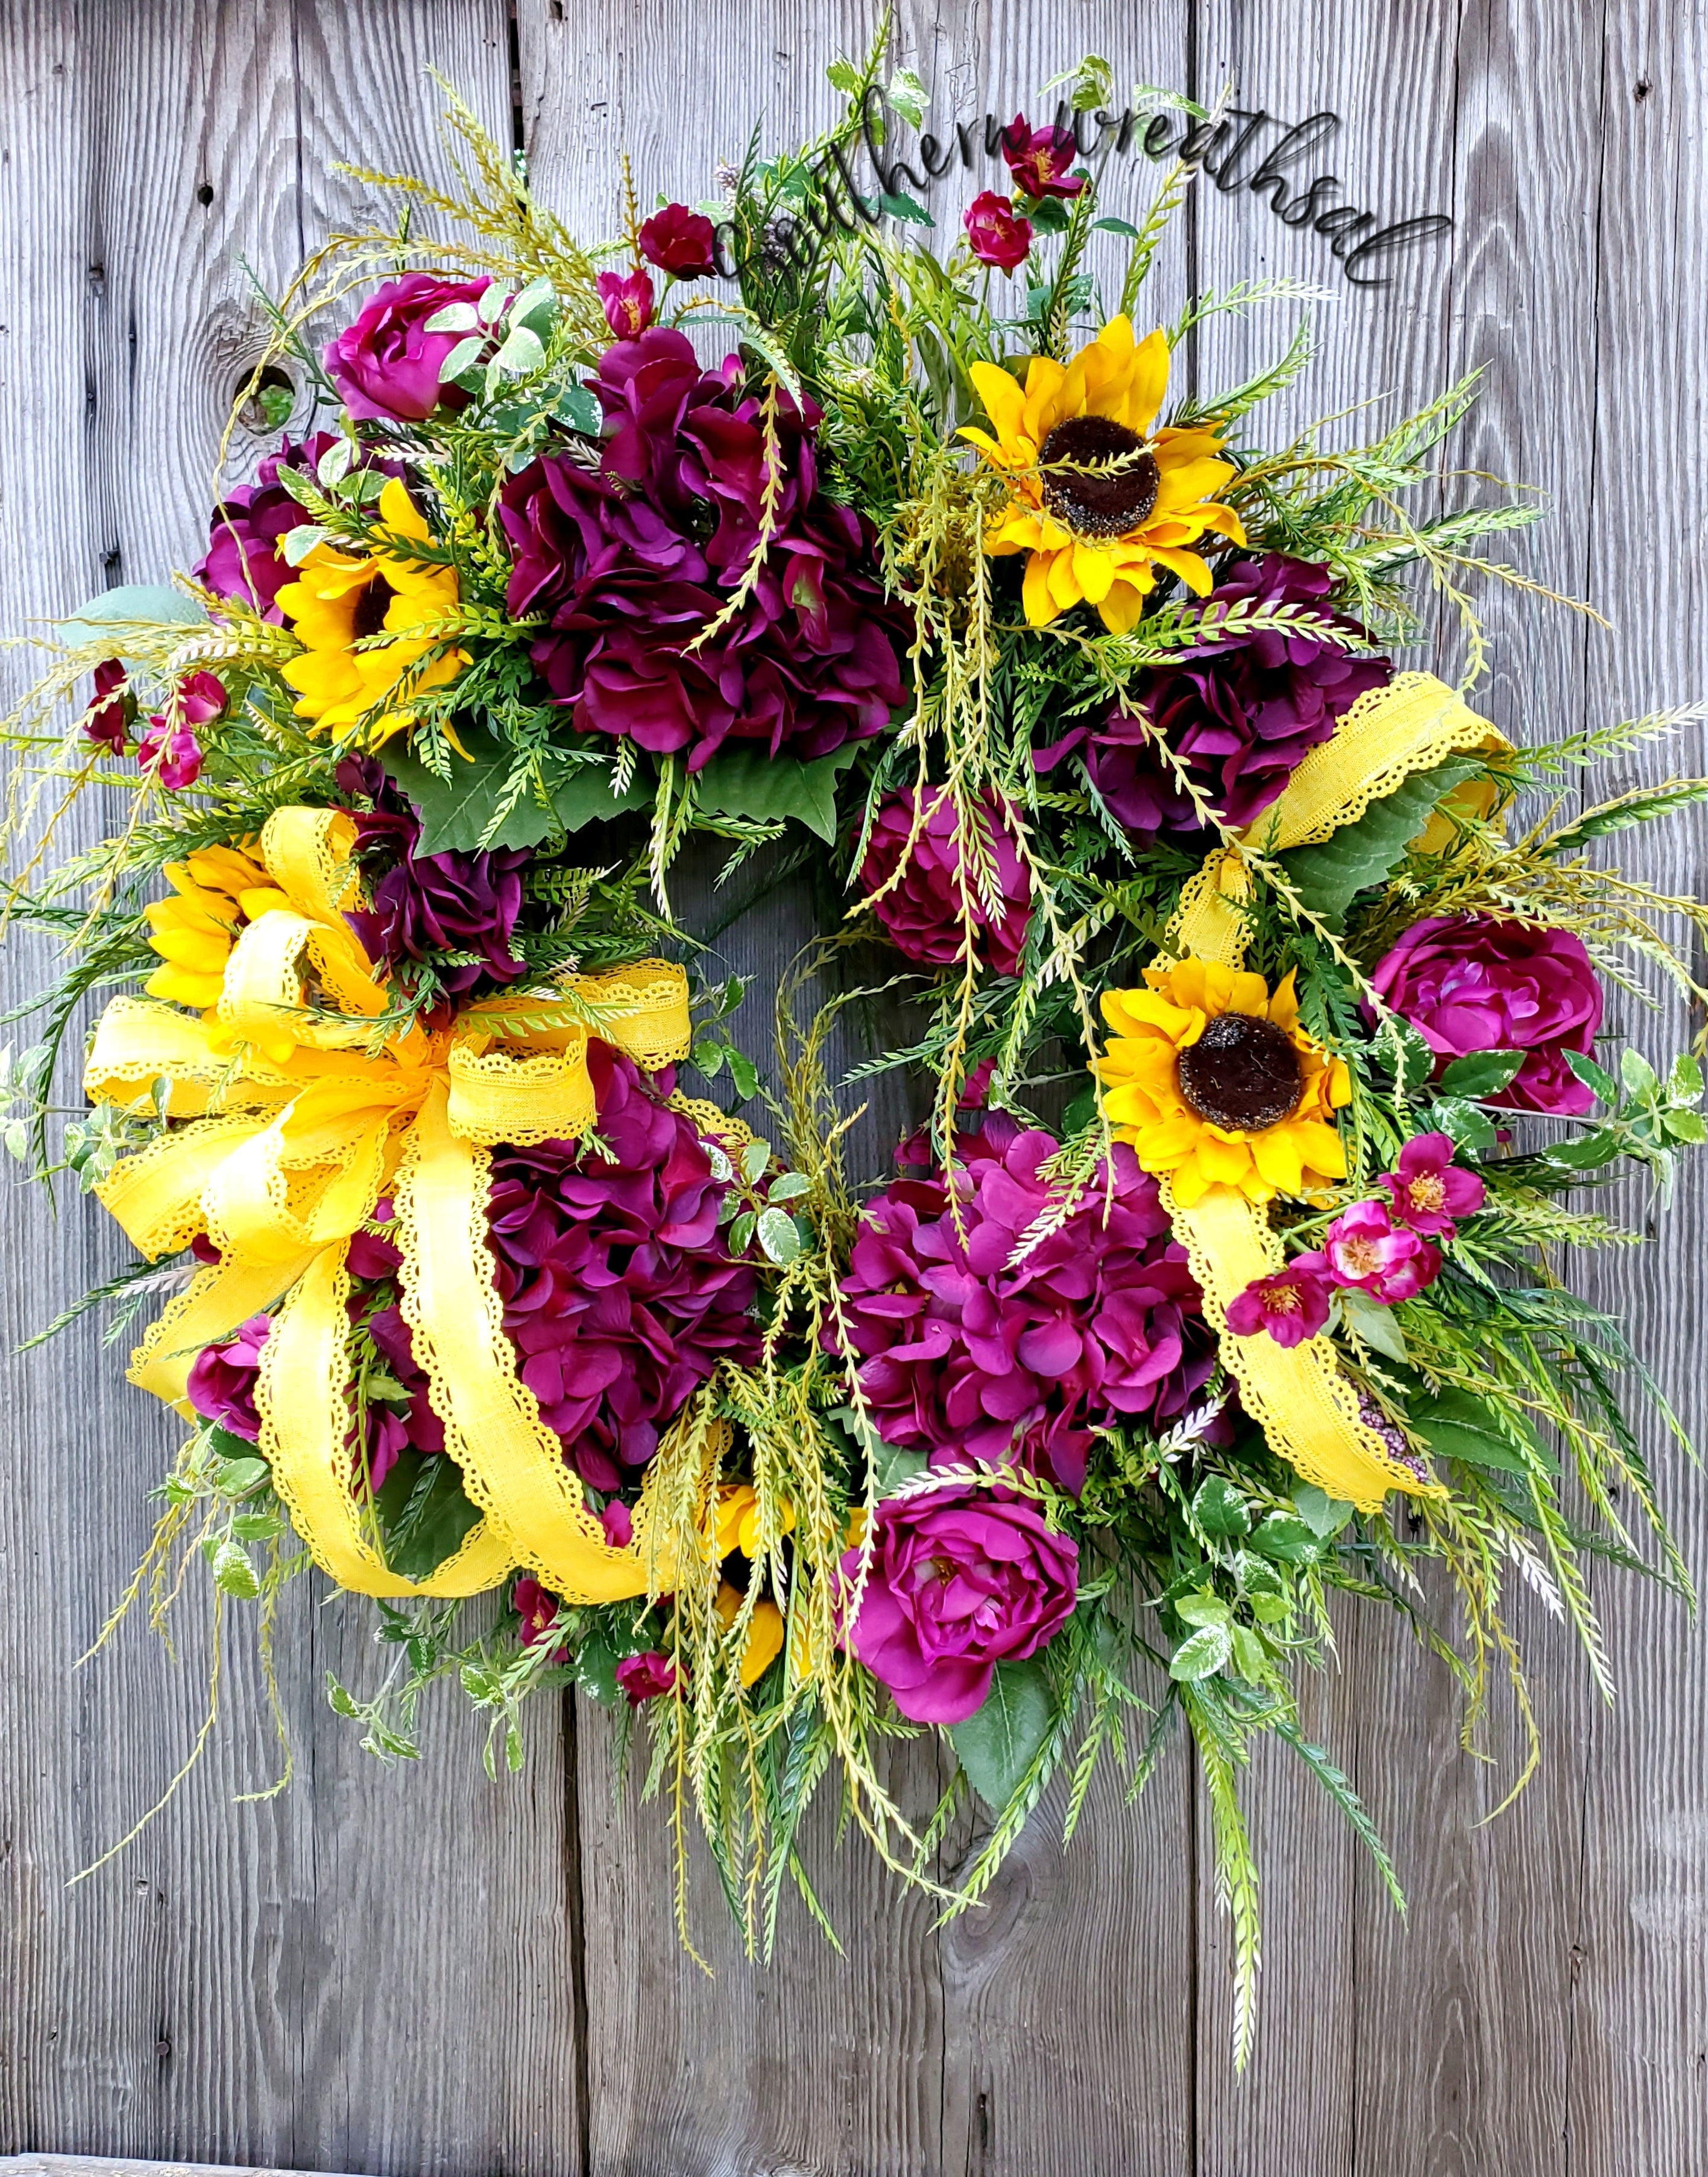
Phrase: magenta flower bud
x=1472 y=983
x=537 y=1611
x=1365 y=1250
x=172 y=752
x=386 y=365
x=679 y=242
x=222 y=1386
x=112 y=710
x=646 y=1677
x=1038 y=159
x=1428 y=1190
x=924 y=915
x=998 y=235
x=1292 y=1305
x=960 y=1581
x=628 y=302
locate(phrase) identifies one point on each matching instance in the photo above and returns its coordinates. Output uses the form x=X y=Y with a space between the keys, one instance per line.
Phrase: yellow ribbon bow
x=297 y=1117
x=1306 y=1406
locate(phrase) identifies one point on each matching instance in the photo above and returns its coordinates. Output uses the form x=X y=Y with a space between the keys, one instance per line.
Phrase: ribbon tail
x=157 y=1196
x=218 y=1299
x=305 y=1438
x=1297 y=1395
x=513 y=1464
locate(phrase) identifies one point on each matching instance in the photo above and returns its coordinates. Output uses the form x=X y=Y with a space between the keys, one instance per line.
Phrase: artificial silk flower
x=996 y=232
x=386 y=365
x=646 y=1677
x=1213 y=1082
x=214 y=893
x=679 y=242
x=1292 y=1304
x=738 y=1520
x=928 y=912
x=112 y=709
x=1365 y=1249
x=1428 y=1190
x=628 y=302
x=765 y=1632
x=1038 y=159
x=1100 y=497
x=341 y=600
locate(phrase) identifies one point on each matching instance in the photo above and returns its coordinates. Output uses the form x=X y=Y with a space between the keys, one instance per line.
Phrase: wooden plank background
x=413 y=1971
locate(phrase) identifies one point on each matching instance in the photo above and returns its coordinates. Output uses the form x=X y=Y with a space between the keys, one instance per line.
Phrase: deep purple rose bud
x=681 y=242
x=960 y=1581
x=998 y=235
x=1473 y=983
x=925 y=913
x=221 y=1385
x=386 y=365
x=112 y=710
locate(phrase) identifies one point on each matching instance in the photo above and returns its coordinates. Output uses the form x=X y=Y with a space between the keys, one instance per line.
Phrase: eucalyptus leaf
x=999 y=1741
x=150 y=603
x=1329 y=876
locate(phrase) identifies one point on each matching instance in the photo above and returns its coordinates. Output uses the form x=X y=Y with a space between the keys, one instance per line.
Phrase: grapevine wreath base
x=1268 y=1066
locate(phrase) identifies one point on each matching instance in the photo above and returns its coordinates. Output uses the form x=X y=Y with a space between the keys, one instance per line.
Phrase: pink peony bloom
x=386 y=365
x=1471 y=983
x=110 y=715
x=681 y=242
x=1365 y=1249
x=962 y=1355
x=998 y=234
x=922 y=916
x=1291 y=1305
x=1429 y=1191
x=1038 y=159
x=960 y=1581
x=628 y=301
x=222 y=1386
x=645 y=1677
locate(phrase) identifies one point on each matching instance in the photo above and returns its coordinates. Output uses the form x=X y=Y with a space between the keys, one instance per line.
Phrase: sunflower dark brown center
x=1098 y=506
x=372 y=601
x=1241 y=1073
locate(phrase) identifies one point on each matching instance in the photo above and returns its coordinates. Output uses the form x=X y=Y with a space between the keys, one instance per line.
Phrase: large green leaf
x=998 y=1743
x=457 y=814
x=1456 y=1424
x=130 y=602
x=748 y=781
x=433 y=1521
x=1329 y=876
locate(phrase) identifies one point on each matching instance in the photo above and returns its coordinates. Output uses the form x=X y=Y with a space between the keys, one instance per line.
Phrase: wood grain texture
x=389 y=1971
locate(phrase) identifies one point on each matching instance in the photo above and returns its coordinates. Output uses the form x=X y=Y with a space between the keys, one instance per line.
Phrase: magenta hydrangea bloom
x=1237 y=714
x=1038 y=159
x=1472 y=983
x=1428 y=1190
x=243 y=560
x=679 y=242
x=222 y=1386
x=963 y=1356
x=996 y=232
x=618 y=1291
x=922 y=914
x=451 y=902
x=1292 y=1304
x=960 y=1581
x=646 y=1677
x=386 y=365
x=629 y=562
x=1365 y=1249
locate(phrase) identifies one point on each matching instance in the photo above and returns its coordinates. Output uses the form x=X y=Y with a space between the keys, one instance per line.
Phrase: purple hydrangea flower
x=425 y=904
x=922 y=914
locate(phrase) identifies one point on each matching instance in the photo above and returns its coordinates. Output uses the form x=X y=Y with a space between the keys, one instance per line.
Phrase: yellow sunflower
x=1097 y=532
x=213 y=894
x=339 y=598
x=1211 y=1081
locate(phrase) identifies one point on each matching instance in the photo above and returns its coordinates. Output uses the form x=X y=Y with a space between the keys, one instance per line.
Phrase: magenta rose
x=960 y=1581
x=997 y=233
x=386 y=365
x=646 y=1677
x=681 y=242
x=222 y=1386
x=923 y=914
x=538 y=1613
x=1471 y=983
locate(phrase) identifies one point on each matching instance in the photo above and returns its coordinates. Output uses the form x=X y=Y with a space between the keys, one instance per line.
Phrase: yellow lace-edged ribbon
x=1306 y=1406
x=299 y=1119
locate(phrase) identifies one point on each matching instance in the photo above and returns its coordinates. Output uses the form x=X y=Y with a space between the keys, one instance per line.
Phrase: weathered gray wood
x=303 y=1980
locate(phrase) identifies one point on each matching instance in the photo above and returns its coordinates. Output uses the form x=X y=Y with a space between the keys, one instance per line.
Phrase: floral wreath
x=1265 y=1052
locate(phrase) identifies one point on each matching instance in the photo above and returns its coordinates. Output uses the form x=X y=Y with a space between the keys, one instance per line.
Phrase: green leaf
x=1329 y=876
x=790 y=1186
x=1470 y=1128
x=745 y=1074
x=1588 y=1151
x=1640 y=1078
x=997 y=1744
x=234 y=1574
x=1115 y=226
x=577 y=407
x=1483 y=1073
x=1201 y=1656
x=457 y=814
x=1373 y=1323
x=1048 y=217
x=1323 y=1515
x=755 y=1159
x=741 y=1231
x=1284 y=1536
x=1685 y=1084
x=778 y=1237
x=1686 y=1126
x=151 y=602
x=1251 y=1658
x=900 y=205
x=1219 y=1509
x=433 y=1522
x=1597 y=1077
x=237 y=1477
x=1456 y=1424
x=1405 y=1053
x=747 y=782
x=1201 y=1607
